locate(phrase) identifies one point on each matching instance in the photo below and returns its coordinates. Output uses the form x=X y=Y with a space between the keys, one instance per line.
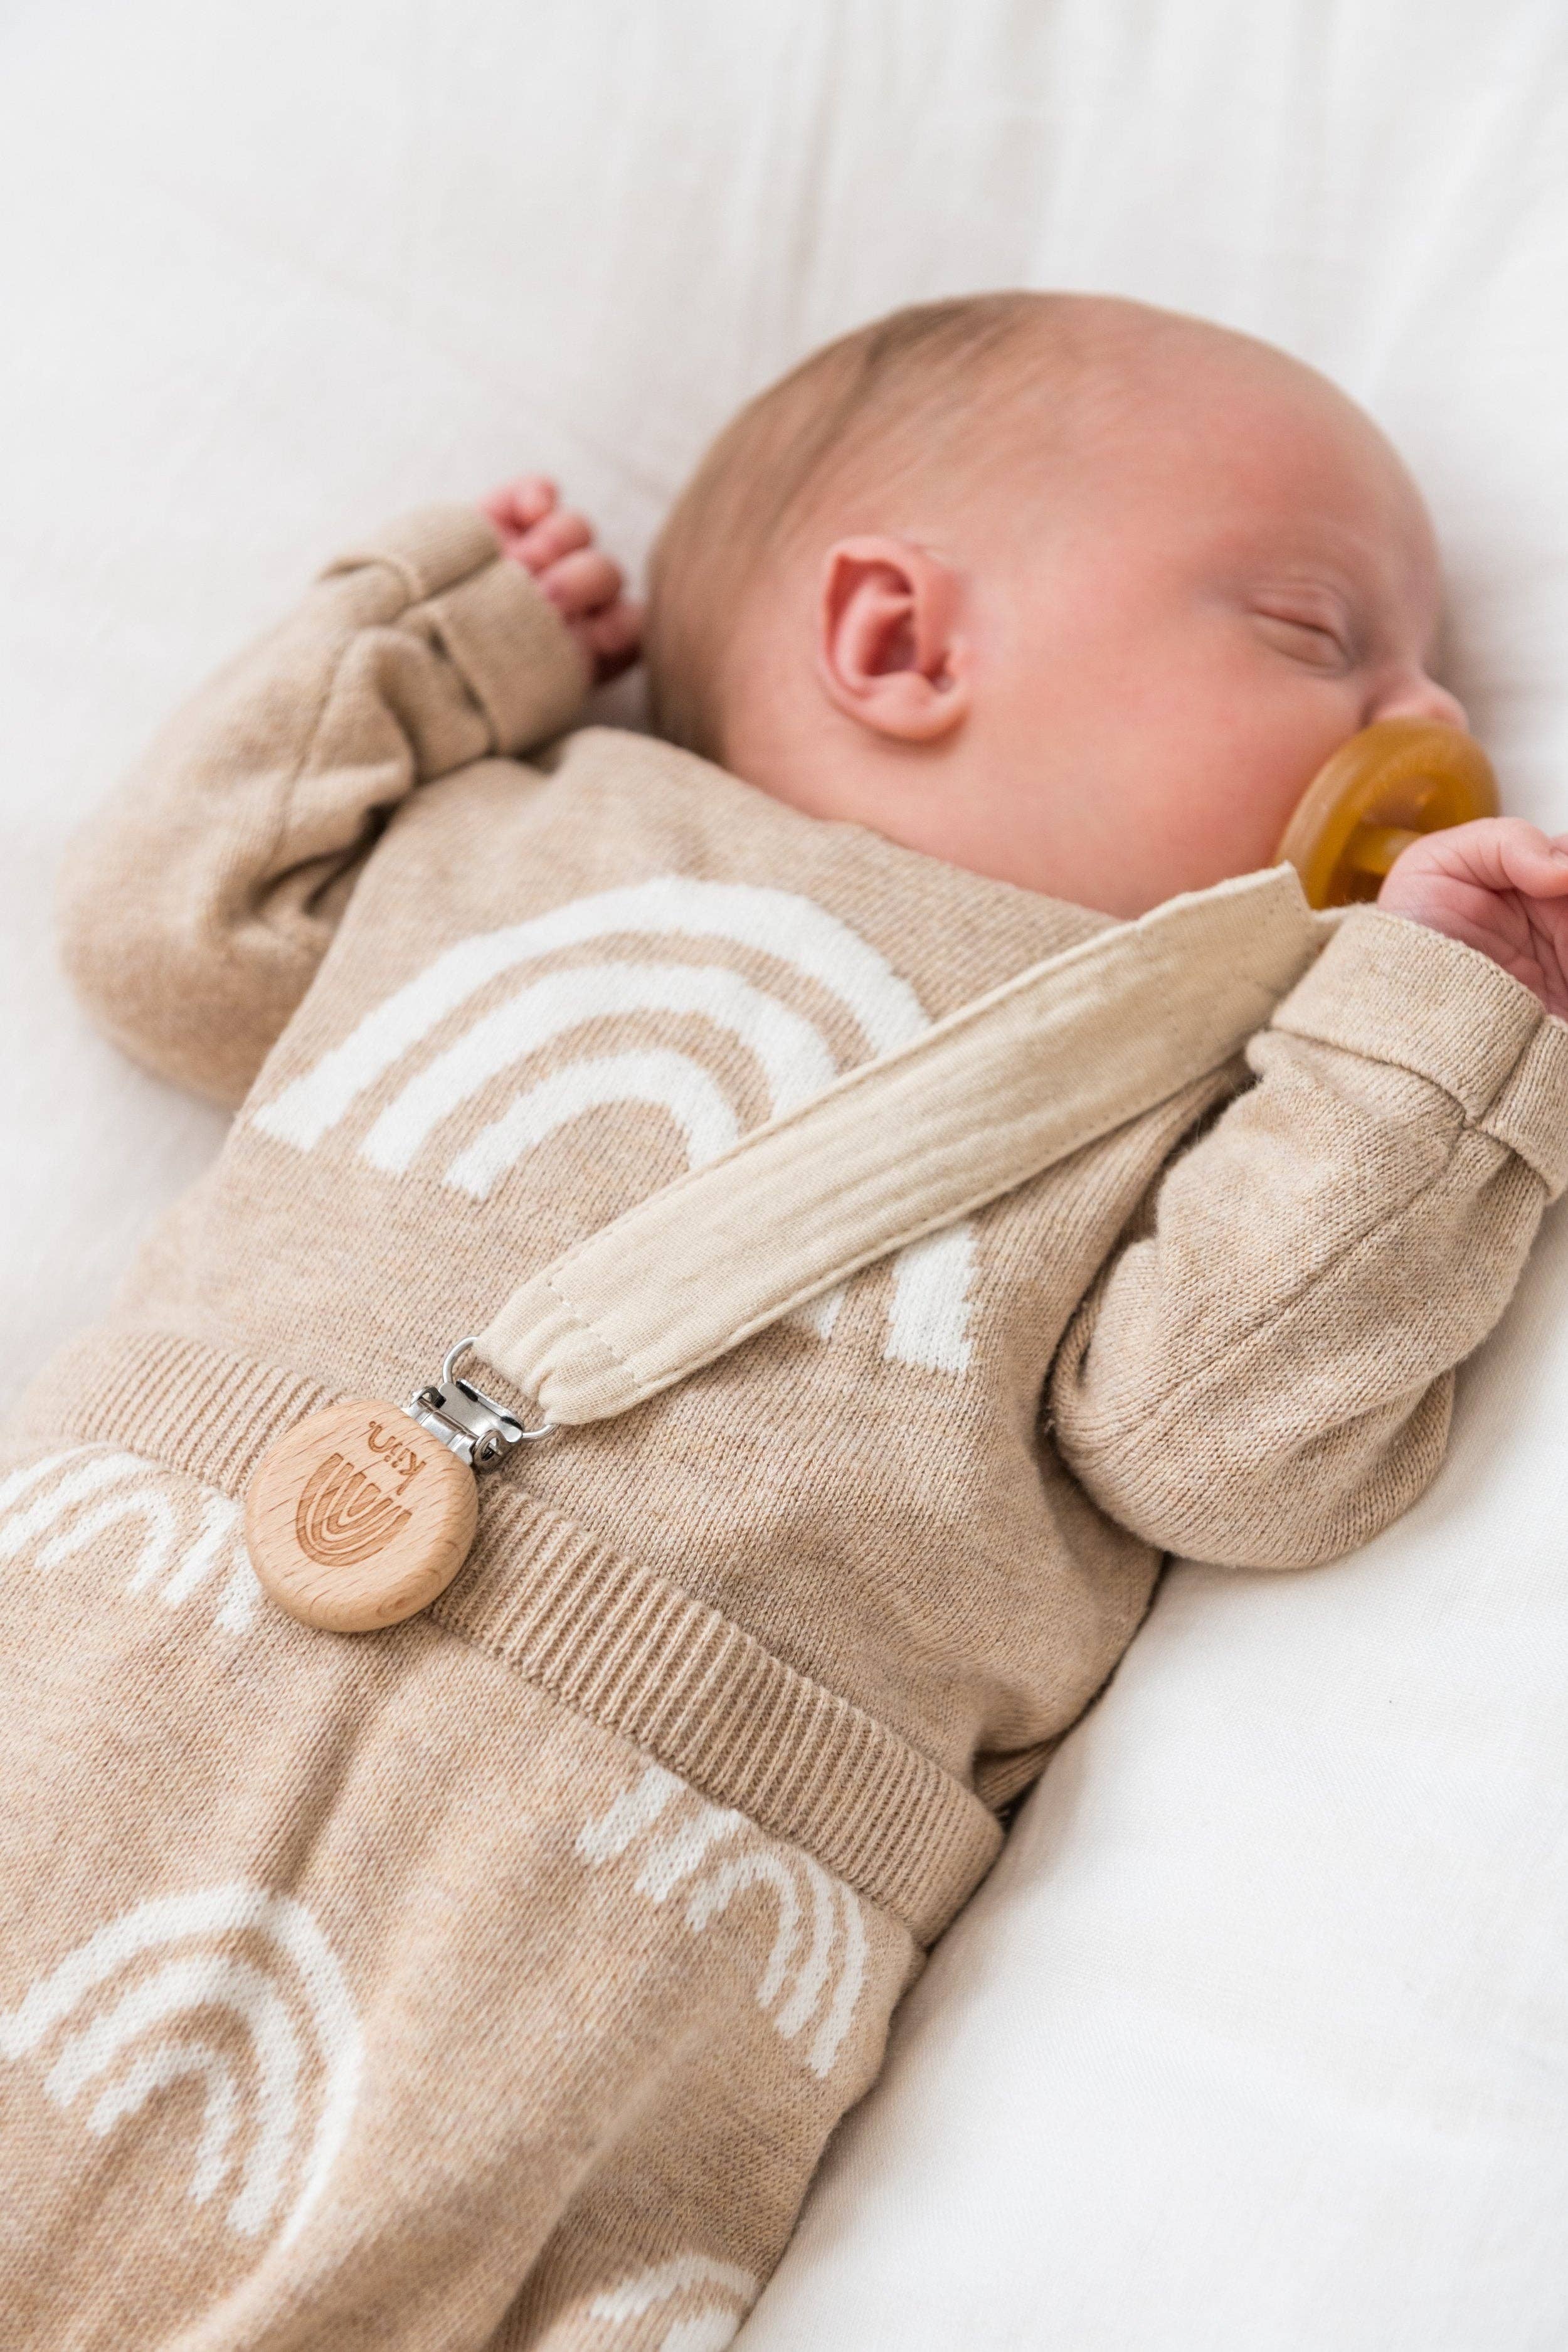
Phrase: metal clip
x=470 y=1425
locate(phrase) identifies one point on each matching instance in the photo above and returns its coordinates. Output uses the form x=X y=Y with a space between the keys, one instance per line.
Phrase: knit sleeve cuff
x=511 y=647
x=1392 y=990
x=431 y=549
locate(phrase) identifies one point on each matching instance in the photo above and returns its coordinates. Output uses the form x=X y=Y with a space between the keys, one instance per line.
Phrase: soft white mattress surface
x=1256 y=2041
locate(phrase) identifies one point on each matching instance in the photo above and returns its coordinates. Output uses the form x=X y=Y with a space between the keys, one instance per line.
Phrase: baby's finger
x=516 y=506
x=580 y=583
x=1494 y=853
x=1528 y=859
x=562 y=533
x=613 y=637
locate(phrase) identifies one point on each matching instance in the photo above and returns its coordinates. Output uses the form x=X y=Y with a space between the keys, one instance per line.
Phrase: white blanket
x=1256 y=2039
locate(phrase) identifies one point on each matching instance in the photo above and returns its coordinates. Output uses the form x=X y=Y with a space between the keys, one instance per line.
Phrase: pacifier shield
x=1397 y=779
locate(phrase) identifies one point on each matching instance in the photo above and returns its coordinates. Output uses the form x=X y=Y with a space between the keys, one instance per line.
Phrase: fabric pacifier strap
x=905 y=1145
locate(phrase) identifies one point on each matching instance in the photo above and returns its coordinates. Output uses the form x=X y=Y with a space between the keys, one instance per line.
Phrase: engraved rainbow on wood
x=343 y=1517
x=355 y=1519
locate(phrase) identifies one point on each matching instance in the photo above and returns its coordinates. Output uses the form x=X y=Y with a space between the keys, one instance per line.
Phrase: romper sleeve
x=199 y=902
x=1262 y=1375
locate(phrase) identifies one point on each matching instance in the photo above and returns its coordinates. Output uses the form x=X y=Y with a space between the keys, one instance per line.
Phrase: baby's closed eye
x=1321 y=644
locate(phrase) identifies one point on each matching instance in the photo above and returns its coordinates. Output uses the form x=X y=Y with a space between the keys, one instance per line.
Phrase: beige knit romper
x=496 y=1980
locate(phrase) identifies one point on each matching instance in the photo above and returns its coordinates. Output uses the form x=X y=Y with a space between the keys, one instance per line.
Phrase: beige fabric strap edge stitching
x=800 y=1203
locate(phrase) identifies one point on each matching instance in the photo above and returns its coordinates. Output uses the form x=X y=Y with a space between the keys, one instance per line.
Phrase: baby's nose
x=1423 y=698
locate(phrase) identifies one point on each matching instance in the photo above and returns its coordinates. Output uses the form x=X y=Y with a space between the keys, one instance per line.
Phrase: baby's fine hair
x=893 y=398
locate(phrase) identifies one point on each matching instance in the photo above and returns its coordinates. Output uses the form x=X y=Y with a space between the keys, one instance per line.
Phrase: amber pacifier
x=1380 y=790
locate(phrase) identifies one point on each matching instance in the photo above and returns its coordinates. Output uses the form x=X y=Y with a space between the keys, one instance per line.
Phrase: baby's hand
x=586 y=587
x=1500 y=886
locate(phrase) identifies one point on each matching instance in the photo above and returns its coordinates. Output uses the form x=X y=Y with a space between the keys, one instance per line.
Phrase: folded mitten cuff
x=1392 y=990
x=514 y=652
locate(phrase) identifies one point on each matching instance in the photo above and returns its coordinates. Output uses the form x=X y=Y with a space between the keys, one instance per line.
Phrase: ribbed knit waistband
x=620 y=1644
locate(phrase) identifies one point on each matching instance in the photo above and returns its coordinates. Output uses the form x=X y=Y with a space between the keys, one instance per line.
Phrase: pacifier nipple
x=1382 y=790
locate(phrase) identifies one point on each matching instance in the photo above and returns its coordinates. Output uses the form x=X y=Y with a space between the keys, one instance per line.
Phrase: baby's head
x=1060 y=589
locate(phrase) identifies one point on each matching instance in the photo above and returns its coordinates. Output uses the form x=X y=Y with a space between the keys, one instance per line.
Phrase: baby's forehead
x=1118 y=385
x=1178 y=418
x=1163 y=382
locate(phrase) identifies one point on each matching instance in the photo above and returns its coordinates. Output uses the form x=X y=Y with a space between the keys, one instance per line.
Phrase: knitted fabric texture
x=534 y=1947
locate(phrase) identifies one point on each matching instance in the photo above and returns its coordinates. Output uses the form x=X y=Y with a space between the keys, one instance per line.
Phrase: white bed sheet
x=1257 y=2038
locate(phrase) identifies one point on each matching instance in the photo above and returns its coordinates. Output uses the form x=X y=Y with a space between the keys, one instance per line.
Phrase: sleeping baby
x=495 y=1978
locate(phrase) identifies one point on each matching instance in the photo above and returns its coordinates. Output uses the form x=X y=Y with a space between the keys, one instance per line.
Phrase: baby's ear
x=888 y=651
